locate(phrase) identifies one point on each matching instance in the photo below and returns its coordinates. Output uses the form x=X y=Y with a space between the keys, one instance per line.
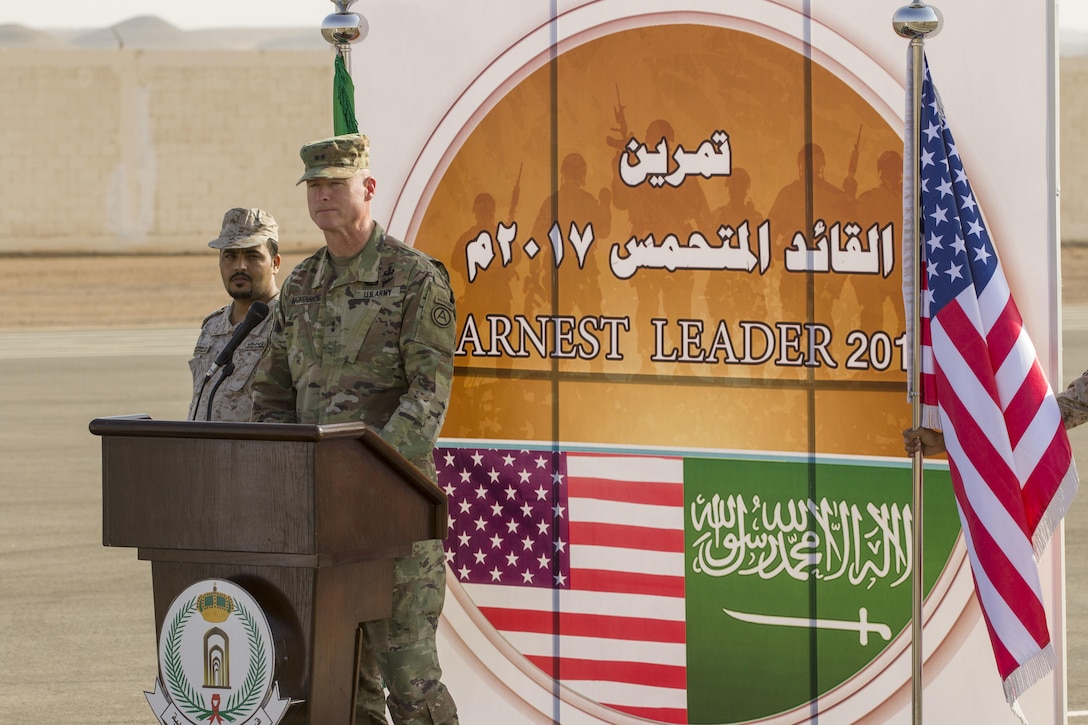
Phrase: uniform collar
x=364 y=268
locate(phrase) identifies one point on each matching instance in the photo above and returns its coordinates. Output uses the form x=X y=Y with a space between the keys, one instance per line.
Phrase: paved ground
x=88 y=337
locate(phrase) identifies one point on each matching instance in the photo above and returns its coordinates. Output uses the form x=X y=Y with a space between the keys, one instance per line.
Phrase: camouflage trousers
x=400 y=651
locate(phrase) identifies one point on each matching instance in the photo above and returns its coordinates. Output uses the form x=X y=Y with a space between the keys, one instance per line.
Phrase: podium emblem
x=216 y=660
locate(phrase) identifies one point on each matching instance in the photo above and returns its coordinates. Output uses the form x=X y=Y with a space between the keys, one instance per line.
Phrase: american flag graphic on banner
x=578 y=561
x=1012 y=466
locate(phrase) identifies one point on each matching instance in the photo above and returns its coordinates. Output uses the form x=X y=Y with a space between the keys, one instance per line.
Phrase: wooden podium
x=306 y=518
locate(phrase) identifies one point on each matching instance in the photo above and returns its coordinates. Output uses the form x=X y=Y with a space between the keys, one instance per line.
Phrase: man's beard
x=246 y=294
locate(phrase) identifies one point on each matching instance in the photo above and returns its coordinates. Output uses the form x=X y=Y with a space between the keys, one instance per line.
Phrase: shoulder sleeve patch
x=437 y=317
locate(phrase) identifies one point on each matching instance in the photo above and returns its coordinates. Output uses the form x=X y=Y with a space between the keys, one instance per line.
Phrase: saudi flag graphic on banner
x=690 y=590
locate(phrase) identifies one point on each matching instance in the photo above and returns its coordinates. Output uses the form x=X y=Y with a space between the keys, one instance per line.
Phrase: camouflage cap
x=244 y=228
x=338 y=157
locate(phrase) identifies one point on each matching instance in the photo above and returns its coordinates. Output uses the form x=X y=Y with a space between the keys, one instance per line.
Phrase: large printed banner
x=689 y=230
x=673 y=456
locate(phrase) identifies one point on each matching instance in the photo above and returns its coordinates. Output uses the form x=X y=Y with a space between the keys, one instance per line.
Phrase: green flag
x=343 y=100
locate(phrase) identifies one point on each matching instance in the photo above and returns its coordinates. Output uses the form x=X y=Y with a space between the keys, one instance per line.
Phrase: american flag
x=577 y=559
x=1011 y=463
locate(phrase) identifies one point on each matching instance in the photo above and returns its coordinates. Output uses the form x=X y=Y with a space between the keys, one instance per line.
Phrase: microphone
x=257 y=312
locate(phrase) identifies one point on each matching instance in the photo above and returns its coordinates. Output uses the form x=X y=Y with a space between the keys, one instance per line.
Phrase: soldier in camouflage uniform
x=249 y=258
x=364 y=331
x=1073 y=403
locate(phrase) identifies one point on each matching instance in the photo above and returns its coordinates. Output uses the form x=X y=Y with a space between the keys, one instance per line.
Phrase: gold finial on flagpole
x=343 y=28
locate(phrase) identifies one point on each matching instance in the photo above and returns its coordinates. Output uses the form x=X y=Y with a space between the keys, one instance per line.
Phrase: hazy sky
x=194 y=14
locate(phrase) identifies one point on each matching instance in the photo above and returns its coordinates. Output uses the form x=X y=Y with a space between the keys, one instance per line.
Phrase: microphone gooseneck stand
x=227 y=370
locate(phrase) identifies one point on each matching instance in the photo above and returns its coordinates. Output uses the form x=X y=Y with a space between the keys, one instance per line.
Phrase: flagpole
x=343 y=28
x=915 y=21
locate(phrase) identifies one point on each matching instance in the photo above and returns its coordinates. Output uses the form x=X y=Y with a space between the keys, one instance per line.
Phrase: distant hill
x=146 y=32
x=20 y=36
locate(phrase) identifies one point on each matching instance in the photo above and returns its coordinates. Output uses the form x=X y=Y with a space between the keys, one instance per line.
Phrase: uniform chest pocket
x=361 y=317
x=246 y=359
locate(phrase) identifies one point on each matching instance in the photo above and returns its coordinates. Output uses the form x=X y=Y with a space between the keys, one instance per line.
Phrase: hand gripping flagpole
x=343 y=28
x=915 y=21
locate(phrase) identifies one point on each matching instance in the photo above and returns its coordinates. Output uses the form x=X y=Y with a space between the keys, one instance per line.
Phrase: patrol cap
x=339 y=157
x=244 y=228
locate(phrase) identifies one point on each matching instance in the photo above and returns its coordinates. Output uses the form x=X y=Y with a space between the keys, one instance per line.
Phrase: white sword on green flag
x=863 y=626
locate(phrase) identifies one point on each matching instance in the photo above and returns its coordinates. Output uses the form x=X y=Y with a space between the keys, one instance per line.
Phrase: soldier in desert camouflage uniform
x=1073 y=403
x=364 y=331
x=248 y=245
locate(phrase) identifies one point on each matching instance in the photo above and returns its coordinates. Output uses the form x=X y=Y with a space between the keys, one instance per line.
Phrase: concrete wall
x=141 y=151
x=1074 y=148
